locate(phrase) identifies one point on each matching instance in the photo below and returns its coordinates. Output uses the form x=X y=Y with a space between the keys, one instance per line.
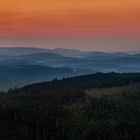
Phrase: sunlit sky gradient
x=34 y=22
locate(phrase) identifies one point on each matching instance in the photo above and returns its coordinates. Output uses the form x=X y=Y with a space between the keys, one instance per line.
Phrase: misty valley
x=65 y=94
x=21 y=66
x=69 y=69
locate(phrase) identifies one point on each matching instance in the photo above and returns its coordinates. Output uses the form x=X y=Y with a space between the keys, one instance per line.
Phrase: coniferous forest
x=101 y=106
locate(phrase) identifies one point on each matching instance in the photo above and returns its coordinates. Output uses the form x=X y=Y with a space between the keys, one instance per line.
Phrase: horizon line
x=81 y=50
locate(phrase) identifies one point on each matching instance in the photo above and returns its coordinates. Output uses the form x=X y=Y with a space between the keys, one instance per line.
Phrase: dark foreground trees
x=73 y=109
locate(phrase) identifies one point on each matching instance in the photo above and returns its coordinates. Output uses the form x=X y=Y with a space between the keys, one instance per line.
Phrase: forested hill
x=91 y=107
x=98 y=80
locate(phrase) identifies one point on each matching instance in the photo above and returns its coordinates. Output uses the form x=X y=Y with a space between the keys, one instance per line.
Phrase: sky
x=81 y=24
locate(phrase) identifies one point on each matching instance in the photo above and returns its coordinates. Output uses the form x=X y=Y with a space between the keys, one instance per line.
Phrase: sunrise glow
x=63 y=17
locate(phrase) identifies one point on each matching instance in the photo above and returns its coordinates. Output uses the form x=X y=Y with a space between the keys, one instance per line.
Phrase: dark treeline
x=98 y=80
x=91 y=107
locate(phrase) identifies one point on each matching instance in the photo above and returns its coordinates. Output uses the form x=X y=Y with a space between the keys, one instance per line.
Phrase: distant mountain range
x=16 y=51
x=20 y=66
x=19 y=75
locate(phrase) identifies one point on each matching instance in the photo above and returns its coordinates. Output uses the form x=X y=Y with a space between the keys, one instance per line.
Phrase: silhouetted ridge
x=98 y=80
x=101 y=106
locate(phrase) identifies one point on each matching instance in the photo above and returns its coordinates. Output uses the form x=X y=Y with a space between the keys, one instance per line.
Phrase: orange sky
x=69 y=17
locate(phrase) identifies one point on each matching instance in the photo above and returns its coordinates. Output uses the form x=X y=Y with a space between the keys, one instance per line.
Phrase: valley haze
x=20 y=65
